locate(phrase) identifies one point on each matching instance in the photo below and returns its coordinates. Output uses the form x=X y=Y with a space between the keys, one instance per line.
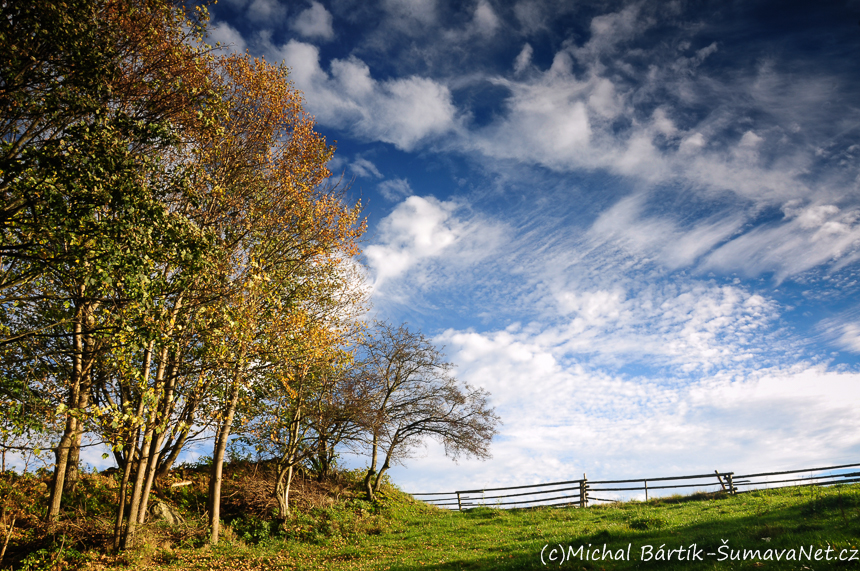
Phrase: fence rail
x=581 y=490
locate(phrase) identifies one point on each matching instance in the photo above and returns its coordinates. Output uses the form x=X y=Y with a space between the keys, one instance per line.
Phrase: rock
x=161 y=511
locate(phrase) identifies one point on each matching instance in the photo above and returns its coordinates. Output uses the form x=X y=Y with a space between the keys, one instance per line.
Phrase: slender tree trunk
x=323 y=458
x=149 y=477
x=123 y=490
x=87 y=361
x=62 y=460
x=180 y=435
x=282 y=490
x=65 y=445
x=288 y=461
x=175 y=448
x=166 y=412
x=145 y=448
x=218 y=465
x=74 y=460
x=138 y=487
x=371 y=471
x=385 y=466
x=129 y=461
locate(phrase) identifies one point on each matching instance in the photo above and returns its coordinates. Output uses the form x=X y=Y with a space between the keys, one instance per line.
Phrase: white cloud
x=692 y=144
x=266 y=11
x=417 y=228
x=563 y=420
x=485 y=21
x=530 y=15
x=808 y=237
x=604 y=100
x=524 y=59
x=395 y=189
x=844 y=332
x=227 y=36
x=609 y=30
x=750 y=139
x=850 y=337
x=593 y=111
x=405 y=112
x=547 y=123
x=689 y=326
x=314 y=22
x=424 y=232
x=625 y=225
x=407 y=14
x=364 y=168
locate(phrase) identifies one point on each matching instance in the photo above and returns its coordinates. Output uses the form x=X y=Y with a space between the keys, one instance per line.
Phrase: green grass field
x=795 y=524
x=805 y=529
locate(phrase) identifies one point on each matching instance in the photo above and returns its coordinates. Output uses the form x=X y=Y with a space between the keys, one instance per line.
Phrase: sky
x=636 y=224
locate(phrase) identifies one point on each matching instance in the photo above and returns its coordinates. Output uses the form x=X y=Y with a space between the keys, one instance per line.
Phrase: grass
x=419 y=537
x=398 y=533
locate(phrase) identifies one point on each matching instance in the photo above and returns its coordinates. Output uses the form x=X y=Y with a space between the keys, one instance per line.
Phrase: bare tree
x=339 y=416
x=417 y=397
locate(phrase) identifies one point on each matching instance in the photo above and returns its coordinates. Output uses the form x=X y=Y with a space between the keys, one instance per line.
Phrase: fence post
x=459 y=505
x=646 y=489
x=731 y=483
x=583 y=492
x=720 y=480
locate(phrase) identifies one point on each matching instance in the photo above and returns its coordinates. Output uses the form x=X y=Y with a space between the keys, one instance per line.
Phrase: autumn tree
x=415 y=397
x=307 y=344
x=288 y=240
x=168 y=242
x=95 y=95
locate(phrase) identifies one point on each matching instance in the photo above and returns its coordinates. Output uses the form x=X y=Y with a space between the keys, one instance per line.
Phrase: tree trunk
x=87 y=361
x=138 y=487
x=130 y=463
x=123 y=489
x=74 y=459
x=282 y=490
x=62 y=459
x=149 y=478
x=64 y=447
x=175 y=449
x=218 y=465
x=378 y=483
x=371 y=471
x=166 y=412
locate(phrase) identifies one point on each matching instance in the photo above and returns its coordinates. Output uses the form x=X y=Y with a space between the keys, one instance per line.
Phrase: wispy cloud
x=808 y=236
x=395 y=189
x=266 y=11
x=364 y=168
x=228 y=36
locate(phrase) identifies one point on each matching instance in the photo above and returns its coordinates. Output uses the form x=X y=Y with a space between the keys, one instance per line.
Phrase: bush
x=255 y=530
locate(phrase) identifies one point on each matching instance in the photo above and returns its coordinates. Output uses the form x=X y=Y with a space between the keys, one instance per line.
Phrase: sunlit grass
x=415 y=536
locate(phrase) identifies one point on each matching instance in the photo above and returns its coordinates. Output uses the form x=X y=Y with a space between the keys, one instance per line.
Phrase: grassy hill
x=333 y=527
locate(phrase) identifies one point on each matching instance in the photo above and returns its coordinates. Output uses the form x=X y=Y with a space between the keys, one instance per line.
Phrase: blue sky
x=637 y=224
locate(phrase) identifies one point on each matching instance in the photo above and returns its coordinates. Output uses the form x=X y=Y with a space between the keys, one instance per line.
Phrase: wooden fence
x=578 y=493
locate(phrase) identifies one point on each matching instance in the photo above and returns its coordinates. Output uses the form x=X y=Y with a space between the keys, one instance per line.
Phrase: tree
x=288 y=243
x=414 y=397
x=168 y=243
x=95 y=96
x=338 y=416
